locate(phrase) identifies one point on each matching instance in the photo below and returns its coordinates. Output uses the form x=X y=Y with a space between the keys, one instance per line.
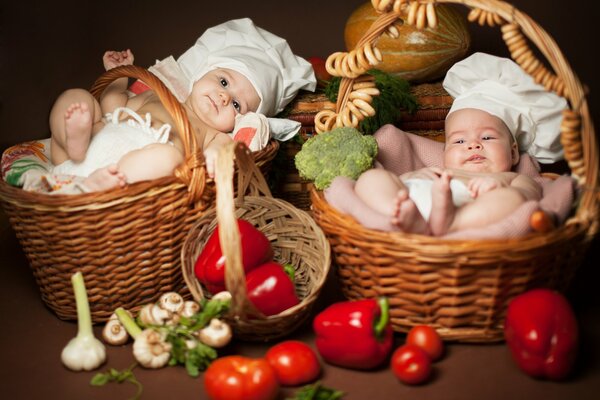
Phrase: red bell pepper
x=354 y=334
x=210 y=265
x=270 y=288
x=541 y=332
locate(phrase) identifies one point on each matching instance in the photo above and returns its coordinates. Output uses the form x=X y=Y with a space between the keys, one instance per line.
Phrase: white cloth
x=500 y=87
x=252 y=129
x=264 y=58
x=113 y=141
x=419 y=191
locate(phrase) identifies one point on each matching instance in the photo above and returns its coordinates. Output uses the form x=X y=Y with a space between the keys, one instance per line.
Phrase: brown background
x=46 y=47
x=49 y=46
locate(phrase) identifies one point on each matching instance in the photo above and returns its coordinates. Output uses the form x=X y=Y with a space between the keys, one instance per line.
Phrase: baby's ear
x=515 y=153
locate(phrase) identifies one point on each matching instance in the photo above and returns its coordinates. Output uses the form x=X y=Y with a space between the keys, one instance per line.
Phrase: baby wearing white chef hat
x=265 y=59
x=234 y=71
x=498 y=112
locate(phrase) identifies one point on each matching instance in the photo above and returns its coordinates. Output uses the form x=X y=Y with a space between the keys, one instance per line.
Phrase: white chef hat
x=264 y=58
x=500 y=87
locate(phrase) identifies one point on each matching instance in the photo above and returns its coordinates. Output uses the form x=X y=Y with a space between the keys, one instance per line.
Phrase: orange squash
x=417 y=55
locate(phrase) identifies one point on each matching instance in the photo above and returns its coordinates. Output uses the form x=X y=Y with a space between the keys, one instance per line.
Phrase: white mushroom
x=222 y=296
x=172 y=302
x=114 y=332
x=151 y=350
x=190 y=308
x=217 y=334
x=152 y=314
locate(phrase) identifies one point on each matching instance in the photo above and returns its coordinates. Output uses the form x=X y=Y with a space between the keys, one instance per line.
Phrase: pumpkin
x=418 y=55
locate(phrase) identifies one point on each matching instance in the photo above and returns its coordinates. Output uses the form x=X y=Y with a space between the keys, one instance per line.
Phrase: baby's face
x=220 y=95
x=477 y=141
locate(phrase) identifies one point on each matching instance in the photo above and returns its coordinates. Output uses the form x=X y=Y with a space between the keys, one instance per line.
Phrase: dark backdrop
x=49 y=46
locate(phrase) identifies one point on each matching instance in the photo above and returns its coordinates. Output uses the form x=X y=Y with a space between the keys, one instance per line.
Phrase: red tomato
x=428 y=339
x=294 y=362
x=411 y=364
x=240 y=378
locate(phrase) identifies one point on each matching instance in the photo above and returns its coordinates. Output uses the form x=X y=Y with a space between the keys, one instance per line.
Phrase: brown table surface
x=32 y=339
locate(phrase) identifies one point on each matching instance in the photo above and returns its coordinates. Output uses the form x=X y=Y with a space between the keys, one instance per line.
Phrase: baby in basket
x=497 y=111
x=233 y=69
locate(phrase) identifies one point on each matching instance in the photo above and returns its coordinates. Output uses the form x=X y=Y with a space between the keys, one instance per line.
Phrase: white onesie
x=114 y=140
x=419 y=191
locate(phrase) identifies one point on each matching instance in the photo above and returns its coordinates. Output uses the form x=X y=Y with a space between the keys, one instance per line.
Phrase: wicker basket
x=295 y=237
x=462 y=287
x=126 y=241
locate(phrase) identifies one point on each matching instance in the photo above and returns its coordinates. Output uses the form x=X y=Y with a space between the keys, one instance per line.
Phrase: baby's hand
x=482 y=184
x=113 y=59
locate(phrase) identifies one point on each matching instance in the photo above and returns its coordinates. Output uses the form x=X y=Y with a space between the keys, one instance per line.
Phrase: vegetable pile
x=540 y=330
x=178 y=332
x=269 y=284
x=340 y=152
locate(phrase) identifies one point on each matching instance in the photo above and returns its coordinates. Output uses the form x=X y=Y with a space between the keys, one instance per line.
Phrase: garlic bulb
x=84 y=351
x=151 y=350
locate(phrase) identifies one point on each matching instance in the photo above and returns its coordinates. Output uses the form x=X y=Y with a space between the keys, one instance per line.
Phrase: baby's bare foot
x=78 y=130
x=105 y=178
x=407 y=216
x=442 y=206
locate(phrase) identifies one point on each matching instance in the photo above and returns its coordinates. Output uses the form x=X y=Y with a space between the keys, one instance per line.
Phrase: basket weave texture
x=295 y=237
x=462 y=287
x=126 y=241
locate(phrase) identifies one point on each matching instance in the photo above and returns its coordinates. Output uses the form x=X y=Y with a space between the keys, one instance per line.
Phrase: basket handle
x=192 y=171
x=250 y=180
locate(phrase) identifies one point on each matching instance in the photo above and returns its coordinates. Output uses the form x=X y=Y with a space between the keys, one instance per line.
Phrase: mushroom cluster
x=167 y=323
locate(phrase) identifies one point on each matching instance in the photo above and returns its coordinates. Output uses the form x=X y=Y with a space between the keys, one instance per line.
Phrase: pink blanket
x=402 y=152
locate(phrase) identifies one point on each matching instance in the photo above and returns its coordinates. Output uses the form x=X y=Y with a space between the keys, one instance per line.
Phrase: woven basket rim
x=108 y=198
x=574 y=226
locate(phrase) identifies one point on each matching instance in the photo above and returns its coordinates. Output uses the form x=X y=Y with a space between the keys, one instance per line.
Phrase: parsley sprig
x=114 y=375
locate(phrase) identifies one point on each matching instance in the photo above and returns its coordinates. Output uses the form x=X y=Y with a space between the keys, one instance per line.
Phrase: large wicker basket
x=295 y=237
x=126 y=241
x=462 y=287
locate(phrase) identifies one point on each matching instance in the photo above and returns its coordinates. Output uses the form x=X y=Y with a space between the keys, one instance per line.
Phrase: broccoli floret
x=341 y=152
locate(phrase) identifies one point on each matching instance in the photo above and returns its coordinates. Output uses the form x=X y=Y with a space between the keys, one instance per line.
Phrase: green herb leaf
x=317 y=391
x=394 y=97
x=100 y=379
x=211 y=309
x=114 y=375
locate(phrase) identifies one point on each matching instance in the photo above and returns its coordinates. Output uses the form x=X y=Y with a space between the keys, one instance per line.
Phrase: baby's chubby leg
x=378 y=189
x=74 y=118
x=150 y=162
x=385 y=193
x=488 y=208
